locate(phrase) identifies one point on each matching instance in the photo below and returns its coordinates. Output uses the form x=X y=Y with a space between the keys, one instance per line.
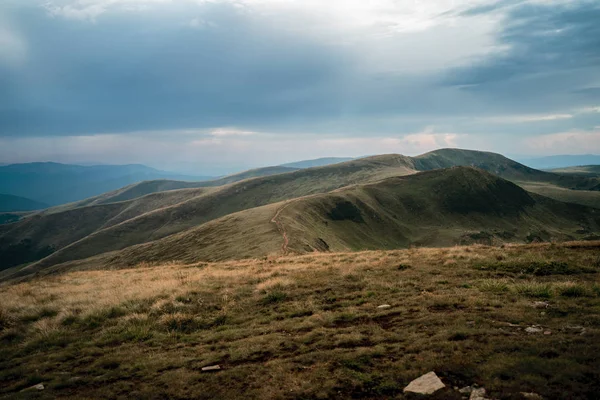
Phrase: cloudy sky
x=213 y=86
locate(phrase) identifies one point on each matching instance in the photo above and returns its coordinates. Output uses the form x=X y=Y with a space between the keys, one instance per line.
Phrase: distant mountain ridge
x=10 y=203
x=561 y=161
x=55 y=183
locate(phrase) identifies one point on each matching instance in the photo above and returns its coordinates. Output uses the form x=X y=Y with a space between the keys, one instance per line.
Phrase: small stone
x=543 y=313
x=532 y=396
x=211 y=368
x=470 y=322
x=533 y=329
x=466 y=390
x=425 y=384
x=478 y=394
x=541 y=304
x=384 y=306
x=547 y=332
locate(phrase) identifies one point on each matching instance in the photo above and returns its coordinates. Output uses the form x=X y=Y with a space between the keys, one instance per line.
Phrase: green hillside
x=426 y=209
x=161 y=214
x=162 y=185
x=504 y=167
x=73 y=233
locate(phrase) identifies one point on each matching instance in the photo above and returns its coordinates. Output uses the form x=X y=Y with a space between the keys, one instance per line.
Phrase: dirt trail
x=281 y=229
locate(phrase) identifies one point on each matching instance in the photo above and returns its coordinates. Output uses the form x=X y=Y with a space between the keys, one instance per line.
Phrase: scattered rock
x=470 y=322
x=541 y=304
x=543 y=313
x=533 y=329
x=478 y=394
x=384 y=306
x=532 y=396
x=466 y=390
x=211 y=368
x=547 y=332
x=426 y=384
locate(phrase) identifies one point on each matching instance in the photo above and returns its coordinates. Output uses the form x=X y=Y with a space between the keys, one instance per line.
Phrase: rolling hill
x=443 y=158
x=10 y=203
x=54 y=183
x=162 y=185
x=76 y=233
x=99 y=228
x=425 y=209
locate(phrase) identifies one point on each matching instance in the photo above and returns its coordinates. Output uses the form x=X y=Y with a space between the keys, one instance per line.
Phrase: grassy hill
x=517 y=319
x=503 y=167
x=426 y=209
x=10 y=203
x=83 y=232
x=162 y=185
x=161 y=214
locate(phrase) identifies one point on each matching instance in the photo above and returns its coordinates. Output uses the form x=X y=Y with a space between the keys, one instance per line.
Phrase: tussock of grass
x=494 y=285
x=534 y=289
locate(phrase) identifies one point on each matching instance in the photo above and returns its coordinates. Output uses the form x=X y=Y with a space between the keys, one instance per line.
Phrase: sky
x=216 y=86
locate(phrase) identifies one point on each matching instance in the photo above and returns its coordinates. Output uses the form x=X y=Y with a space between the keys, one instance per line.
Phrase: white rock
x=211 y=368
x=384 y=306
x=533 y=396
x=426 y=384
x=478 y=394
x=541 y=304
x=466 y=390
x=533 y=329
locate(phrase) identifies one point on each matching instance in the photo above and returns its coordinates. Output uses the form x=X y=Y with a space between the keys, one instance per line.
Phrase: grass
x=308 y=327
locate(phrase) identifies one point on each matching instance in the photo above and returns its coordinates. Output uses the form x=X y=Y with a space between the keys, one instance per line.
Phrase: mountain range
x=440 y=198
x=54 y=183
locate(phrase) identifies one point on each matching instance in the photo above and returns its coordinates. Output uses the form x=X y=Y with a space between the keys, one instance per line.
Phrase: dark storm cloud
x=541 y=39
x=156 y=71
x=186 y=65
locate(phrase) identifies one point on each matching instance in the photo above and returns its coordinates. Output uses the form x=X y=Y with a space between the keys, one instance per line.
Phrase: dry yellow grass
x=309 y=327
